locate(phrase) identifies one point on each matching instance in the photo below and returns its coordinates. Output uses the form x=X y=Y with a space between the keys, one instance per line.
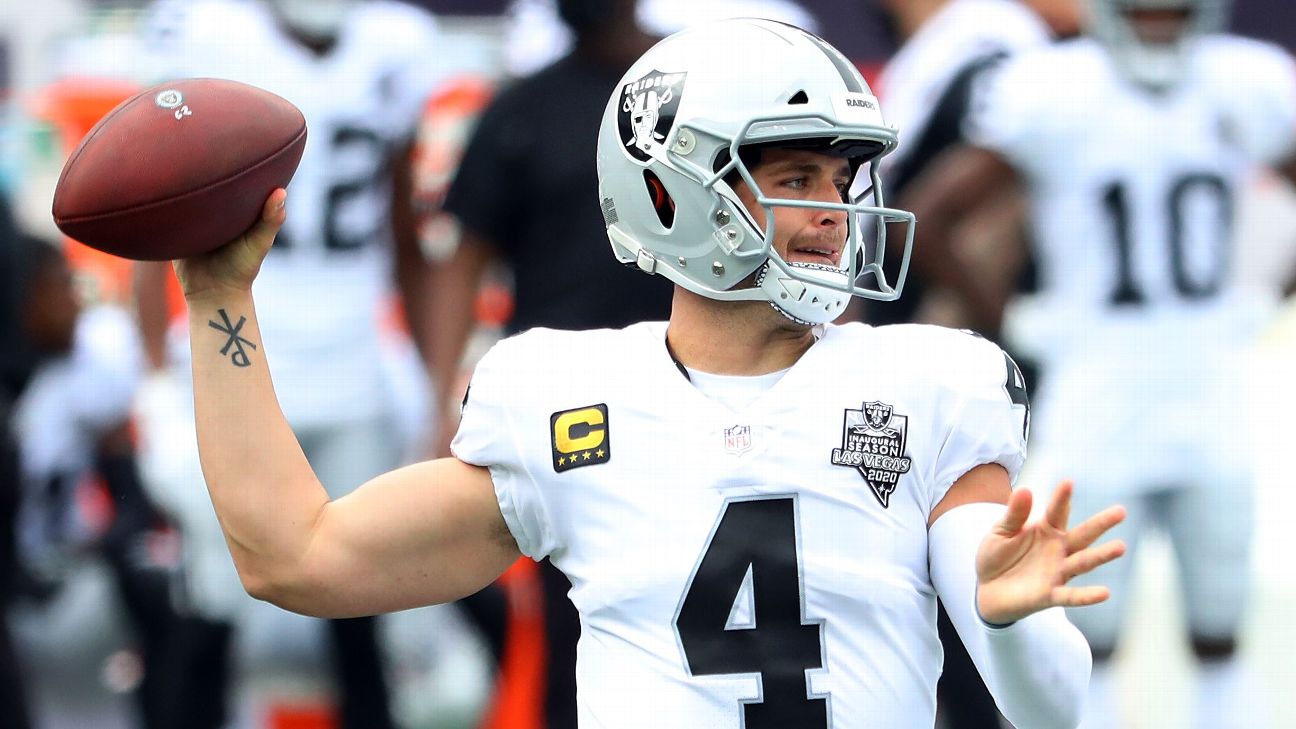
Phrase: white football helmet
x=680 y=123
x=1154 y=65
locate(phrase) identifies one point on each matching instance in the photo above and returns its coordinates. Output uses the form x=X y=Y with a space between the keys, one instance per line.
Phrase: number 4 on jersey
x=753 y=552
x=1015 y=386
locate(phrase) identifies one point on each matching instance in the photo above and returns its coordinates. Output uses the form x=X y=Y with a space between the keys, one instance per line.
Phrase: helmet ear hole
x=799 y=97
x=663 y=203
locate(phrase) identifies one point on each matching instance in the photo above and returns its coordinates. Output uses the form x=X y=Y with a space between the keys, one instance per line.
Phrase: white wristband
x=1038 y=667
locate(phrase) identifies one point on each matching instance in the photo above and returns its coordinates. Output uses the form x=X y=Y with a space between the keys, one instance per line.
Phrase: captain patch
x=580 y=437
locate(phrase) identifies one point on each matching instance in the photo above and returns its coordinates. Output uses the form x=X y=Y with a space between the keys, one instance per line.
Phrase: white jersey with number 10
x=1133 y=193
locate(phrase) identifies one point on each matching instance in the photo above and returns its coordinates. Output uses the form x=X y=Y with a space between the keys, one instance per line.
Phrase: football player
x=757 y=509
x=360 y=71
x=71 y=423
x=1133 y=144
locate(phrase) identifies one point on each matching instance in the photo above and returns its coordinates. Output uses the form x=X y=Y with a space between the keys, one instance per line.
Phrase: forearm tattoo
x=236 y=341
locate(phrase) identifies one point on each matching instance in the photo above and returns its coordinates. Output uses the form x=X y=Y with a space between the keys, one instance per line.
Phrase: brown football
x=178 y=169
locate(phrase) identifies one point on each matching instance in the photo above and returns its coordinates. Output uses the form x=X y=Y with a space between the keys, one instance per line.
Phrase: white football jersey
x=1133 y=193
x=760 y=568
x=322 y=285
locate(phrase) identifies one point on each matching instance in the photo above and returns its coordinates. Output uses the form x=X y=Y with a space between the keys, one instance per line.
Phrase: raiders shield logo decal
x=647 y=111
x=873 y=443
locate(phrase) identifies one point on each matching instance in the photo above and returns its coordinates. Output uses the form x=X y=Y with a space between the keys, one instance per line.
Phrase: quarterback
x=757 y=509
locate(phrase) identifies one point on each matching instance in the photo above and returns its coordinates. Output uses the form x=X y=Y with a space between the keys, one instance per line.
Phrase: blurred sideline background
x=65 y=62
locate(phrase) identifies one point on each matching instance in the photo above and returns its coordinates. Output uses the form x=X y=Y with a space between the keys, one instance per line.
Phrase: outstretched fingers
x=1088 y=531
x=1014 y=518
x=1079 y=596
x=1087 y=560
x=1059 y=506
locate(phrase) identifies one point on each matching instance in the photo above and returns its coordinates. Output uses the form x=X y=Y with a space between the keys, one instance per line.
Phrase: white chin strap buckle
x=645 y=261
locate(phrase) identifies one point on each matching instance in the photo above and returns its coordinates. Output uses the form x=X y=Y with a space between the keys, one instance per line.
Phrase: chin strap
x=795 y=290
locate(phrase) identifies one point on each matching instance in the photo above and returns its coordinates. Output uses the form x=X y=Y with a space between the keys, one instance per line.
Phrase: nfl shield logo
x=738 y=439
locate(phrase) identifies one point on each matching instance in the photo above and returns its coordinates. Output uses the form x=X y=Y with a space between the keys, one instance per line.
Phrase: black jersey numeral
x=367 y=157
x=759 y=537
x=1126 y=290
x=1015 y=386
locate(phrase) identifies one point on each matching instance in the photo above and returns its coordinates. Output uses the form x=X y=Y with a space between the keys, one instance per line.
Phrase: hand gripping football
x=178 y=169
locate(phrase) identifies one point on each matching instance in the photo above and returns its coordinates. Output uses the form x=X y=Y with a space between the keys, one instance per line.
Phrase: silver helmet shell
x=676 y=128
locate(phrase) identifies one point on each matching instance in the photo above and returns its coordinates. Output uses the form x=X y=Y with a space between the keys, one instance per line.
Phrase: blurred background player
x=525 y=194
x=83 y=501
x=926 y=88
x=1133 y=145
x=360 y=71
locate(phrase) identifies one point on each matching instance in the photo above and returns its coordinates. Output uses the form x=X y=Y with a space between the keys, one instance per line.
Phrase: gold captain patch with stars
x=580 y=437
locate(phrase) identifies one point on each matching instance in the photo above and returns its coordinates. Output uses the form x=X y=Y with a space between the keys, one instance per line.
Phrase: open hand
x=1024 y=568
x=233 y=266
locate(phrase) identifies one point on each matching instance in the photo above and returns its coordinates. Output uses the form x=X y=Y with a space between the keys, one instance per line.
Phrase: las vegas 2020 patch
x=873 y=443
